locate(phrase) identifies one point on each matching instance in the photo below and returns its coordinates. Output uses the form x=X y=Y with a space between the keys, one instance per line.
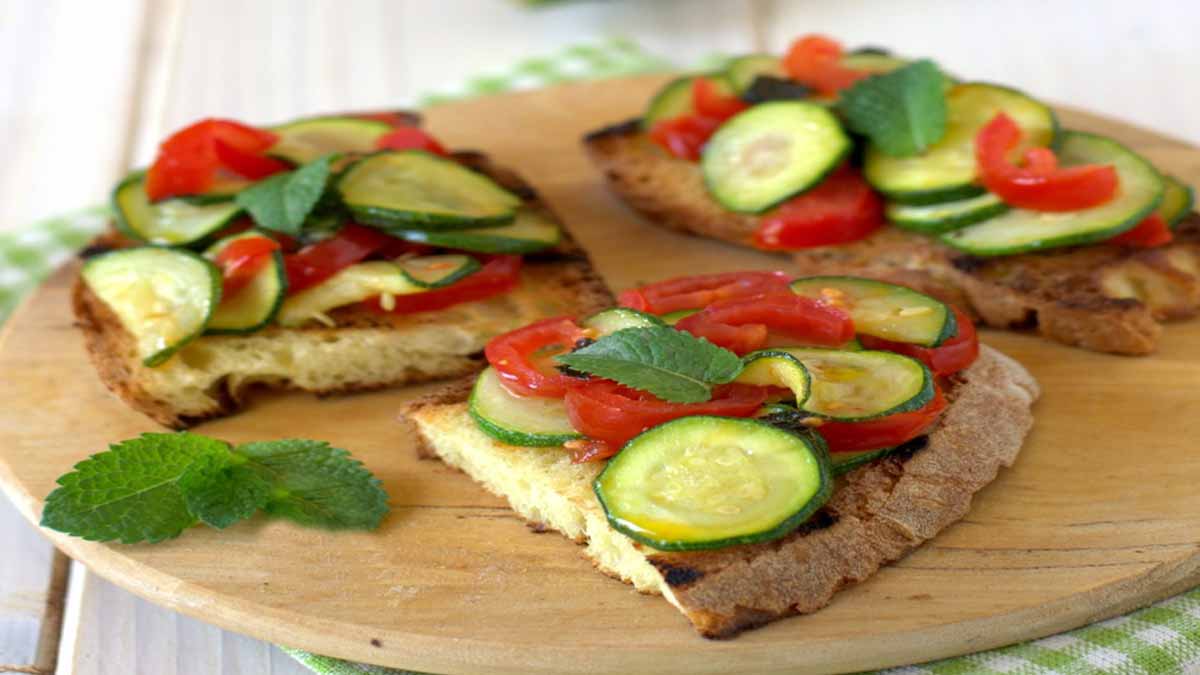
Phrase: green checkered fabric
x=1162 y=639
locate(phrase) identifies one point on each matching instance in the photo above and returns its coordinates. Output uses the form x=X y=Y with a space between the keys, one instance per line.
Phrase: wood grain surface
x=1099 y=516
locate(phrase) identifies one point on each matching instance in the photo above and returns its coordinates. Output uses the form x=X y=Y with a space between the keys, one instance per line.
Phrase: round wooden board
x=1099 y=516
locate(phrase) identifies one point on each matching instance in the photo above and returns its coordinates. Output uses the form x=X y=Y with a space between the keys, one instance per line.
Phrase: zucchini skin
x=948 y=224
x=516 y=438
x=281 y=271
x=814 y=504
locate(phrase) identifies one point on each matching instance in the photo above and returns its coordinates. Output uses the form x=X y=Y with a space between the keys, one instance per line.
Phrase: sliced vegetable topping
x=173 y=222
x=742 y=325
x=532 y=421
x=530 y=231
x=690 y=122
x=1177 y=202
x=437 y=271
x=162 y=297
x=188 y=161
x=348 y=286
x=883 y=310
x=816 y=60
x=946 y=216
x=840 y=209
x=707 y=482
x=854 y=386
x=696 y=292
x=609 y=321
x=317 y=262
x=524 y=358
x=947 y=358
x=1151 y=232
x=410 y=138
x=882 y=432
x=303 y=141
x=776 y=368
x=254 y=282
x=498 y=275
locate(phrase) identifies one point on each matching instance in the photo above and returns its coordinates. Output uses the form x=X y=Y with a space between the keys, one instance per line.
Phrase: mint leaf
x=283 y=201
x=220 y=491
x=673 y=365
x=903 y=112
x=315 y=484
x=130 y=493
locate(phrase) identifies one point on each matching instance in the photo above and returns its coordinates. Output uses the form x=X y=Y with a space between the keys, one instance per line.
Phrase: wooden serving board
x=1100 y=515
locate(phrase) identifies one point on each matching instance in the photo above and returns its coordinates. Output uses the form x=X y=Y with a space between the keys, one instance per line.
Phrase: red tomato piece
x=1041 y=185
x=317 y=262
x=684 y=136
x=949 y=357
x=884 y=432
x=241 y=260
x=590 y=450
x=1151 y=232
x=805 y=319
x=247 y=164
x=606 y=411
x=815 y=60
x=708 y=101
x=524 y=358
x=698 y=291
x=842 y=208
x=499 y=275
x=187 y=161
x=409 y=138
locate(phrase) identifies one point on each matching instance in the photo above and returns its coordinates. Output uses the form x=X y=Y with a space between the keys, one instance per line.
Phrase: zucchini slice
x=1178 y=200
x=675 y=98
x=162 y=296
x=1139 y=192
x=528 y=421
x=224 y=189
x=947 y=171
x=706 y=482
x=672 y=318
x=776 y=368
x=946 y=216
x=742 y=71
x=845 y=462
x=532 y=230
x=436 y=271
x=771 y=152
x=884 y=310
x=611 y=320
x=855 y=386
x=356 y=283
x=417 y=189
x=256 y=304
x=171 y=222
x=303 y=141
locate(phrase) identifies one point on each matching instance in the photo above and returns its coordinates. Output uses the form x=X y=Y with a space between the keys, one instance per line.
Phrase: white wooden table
x=87 y=89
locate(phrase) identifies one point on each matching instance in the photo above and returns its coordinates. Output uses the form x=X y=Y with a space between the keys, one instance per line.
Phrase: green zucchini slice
x=611 y=320
x=1178 y=200
x=675 y=98
x=417 y=189
x=742 y=71
x=855 y=386
x=946 y=216
x=436 y=271
x=171 y=222
x=356 y=283
x=224 y=189
x=706 y=482
x=672 y=318
x=771 y=152
x=303 y=141
x=528 y=421
x=947 y=171
x=256 y=304
x=162 y=296
x=884 y=310
x=1139 y=191
x=532 y=230
x=776 y=368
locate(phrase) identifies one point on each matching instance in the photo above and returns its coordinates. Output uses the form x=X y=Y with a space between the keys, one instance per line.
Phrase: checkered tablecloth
x=1162 y=639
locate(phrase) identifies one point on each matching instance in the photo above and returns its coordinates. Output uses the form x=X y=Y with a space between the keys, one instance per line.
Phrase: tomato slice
x=499 y=275
x=742 y=325
x=590 y=450
x=247 y=164
x=1151 y=232
x=317 y=262
x=815 y=60
x=842 y=208
x=951 y=356
x=409 y=138
x=708 y=101
x=1040 y=185
x=187 y=161
x=241 y=260
x=884 y=432
x=684 y=137
x=696 y=292
x=606 y=411
x=524 y=358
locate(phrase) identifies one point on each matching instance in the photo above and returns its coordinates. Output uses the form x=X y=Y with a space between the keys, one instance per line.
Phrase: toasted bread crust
x=1099 y=297
x=878 y=513
x=564 y=273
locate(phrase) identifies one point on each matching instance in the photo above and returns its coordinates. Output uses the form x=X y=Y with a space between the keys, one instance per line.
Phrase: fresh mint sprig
x=903 y=112
x=673 y=365
x=284 y=201
x=153 y=487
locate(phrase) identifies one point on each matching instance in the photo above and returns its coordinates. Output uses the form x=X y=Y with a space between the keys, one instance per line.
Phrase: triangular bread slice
x=212 y=375
x=878 y=513
x=1104 y=298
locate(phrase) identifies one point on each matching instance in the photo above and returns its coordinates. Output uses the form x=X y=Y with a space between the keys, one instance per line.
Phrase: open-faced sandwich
x=327 y=255
x=864 y=163
x=745 y=444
